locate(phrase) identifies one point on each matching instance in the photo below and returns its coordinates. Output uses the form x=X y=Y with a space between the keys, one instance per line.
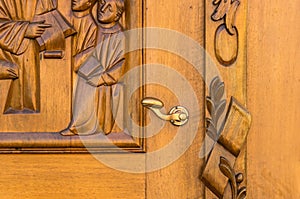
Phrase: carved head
x=82 y=5
x=110 y=11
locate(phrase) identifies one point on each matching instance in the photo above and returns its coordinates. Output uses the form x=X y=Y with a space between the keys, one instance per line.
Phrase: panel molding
x=37 y=133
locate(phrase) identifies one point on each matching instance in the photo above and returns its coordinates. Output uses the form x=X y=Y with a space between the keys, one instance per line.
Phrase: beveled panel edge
x=54 y=143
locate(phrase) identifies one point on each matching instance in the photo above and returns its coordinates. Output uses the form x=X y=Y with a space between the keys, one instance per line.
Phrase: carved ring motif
x=226 y=35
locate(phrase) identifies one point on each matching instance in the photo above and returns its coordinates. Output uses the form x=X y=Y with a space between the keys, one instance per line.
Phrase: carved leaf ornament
x=234 y=179
x=216 y=107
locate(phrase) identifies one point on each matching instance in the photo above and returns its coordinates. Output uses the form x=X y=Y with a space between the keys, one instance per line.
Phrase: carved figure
x=52 y=41
x=85 y=39
x=19 y=32
x=98 y=90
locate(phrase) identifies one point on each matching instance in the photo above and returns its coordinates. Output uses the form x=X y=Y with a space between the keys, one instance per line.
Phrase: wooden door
x=43 y=163
x=273 y=95
x=217 y=60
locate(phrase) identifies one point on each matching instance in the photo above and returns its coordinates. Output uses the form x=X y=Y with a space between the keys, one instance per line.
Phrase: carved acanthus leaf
x=215 y=106
x=230 y=17
x=221 y=9
x=226 y=9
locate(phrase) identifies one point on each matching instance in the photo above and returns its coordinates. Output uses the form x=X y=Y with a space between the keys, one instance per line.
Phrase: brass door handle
x=178 y=115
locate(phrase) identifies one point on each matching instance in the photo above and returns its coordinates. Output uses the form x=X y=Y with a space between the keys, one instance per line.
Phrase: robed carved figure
x=98 y=90
x=22 y=27
x=84 y=41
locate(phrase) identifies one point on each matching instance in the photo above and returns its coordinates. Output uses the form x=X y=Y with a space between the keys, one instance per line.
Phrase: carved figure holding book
x=98 y=90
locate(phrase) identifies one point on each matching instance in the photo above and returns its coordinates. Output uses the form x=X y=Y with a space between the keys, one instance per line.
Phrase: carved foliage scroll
x=219 y=169
x=226 y=35
x=234 y=179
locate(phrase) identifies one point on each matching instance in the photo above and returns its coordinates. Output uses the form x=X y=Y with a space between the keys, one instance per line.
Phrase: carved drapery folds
x=98 y=92
x=43 y=46
x=34 y=30
x=25 y=32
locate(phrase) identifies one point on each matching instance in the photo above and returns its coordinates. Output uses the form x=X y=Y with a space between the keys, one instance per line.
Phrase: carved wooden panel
x=225 y=170
x=60 y=78
x=59 y=60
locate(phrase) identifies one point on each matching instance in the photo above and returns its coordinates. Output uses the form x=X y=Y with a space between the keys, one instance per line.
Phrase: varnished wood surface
x=273 y=93
x=233 y=75
x=55 y=93
x=81 y=176
x=273 y=99
x=60 y=176
x=181 y=178
x=65 y=176
x=42 y=129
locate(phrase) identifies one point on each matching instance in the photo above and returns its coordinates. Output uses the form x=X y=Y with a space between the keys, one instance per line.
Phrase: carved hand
x=36 y=29
x=8 y=70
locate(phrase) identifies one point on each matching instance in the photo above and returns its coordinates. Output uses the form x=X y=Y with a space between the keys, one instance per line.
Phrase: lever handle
x=178 y=115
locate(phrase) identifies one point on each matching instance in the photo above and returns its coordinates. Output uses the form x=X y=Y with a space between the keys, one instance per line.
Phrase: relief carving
x=216 y=107
x=52 y=41
x=98 y=91
x=26 y=28
x=8 y=70
x=84 y=41
x=226 y=35
x=234 y=179
x=61 y=64
x=219 y=171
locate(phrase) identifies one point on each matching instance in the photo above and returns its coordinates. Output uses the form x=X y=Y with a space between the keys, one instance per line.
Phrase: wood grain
x=273 y=95
x=60 y=176
x=273 y=99
x=181 y=178
x=65 y=176
x=233 y=75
